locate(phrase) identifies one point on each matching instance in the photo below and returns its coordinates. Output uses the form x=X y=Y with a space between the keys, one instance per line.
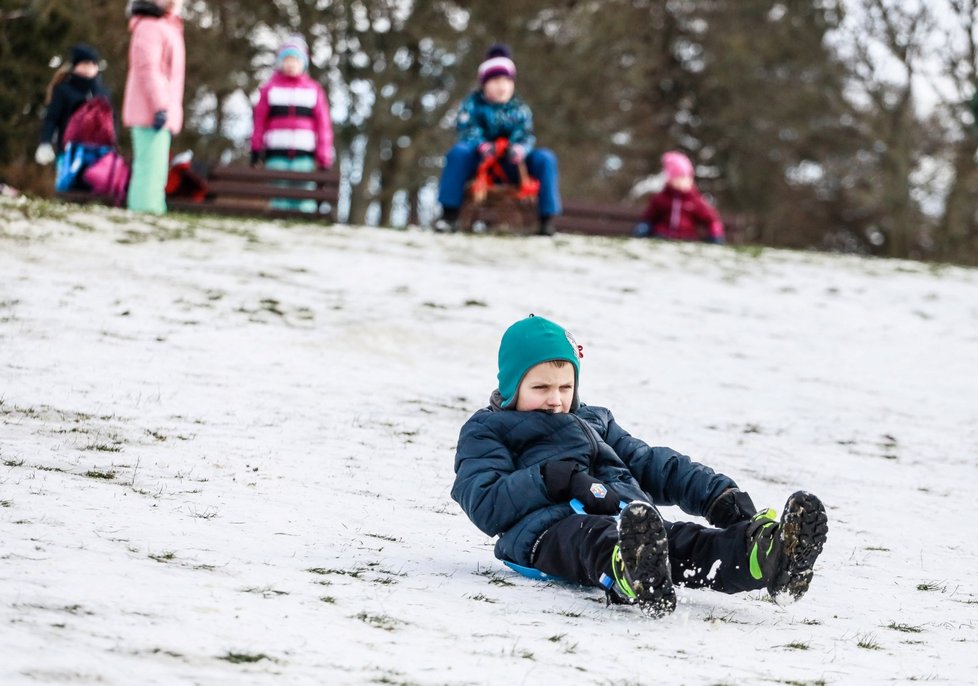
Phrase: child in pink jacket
x=678 y=211
x=153 y=101
x=292 y=127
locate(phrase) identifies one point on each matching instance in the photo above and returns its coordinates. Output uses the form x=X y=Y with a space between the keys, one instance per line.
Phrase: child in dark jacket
x=487 y=114
x=523 y=459
x=678 y=211
x=70 y=88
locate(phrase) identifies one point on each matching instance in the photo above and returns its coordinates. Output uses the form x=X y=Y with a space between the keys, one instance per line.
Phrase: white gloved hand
x=44 y=154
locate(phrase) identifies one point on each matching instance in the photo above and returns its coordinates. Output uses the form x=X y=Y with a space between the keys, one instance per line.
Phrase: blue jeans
x=462 y=163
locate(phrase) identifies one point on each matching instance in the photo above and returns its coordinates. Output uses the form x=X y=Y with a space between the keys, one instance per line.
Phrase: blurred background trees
x=833 y=124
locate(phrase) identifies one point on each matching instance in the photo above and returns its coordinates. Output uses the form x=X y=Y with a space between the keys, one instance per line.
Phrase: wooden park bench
x=502 y=212
x=240 y=190
x=597 y=219
x=246 y=190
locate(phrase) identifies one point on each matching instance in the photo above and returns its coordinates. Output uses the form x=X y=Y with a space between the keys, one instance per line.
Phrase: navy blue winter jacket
x=499 y=485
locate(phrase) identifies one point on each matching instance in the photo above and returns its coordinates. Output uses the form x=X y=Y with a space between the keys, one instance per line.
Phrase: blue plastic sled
x=536 y=574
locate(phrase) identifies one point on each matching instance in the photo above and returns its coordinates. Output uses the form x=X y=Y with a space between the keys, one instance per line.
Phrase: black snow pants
x=579 y=548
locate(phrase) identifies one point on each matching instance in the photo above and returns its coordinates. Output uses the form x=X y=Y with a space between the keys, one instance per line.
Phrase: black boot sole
x=804 y=528
x=645 y=554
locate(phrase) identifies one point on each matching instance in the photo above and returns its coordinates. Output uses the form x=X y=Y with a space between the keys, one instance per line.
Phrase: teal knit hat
x=526 y=344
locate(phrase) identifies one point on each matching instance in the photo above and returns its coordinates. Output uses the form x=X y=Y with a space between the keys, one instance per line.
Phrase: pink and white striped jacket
x=292 y=118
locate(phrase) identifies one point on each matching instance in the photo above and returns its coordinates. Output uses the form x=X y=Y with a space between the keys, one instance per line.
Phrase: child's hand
x=485 y=148
x=732 y=506
x=566 y=479
x=517 y=153
x=44 y=155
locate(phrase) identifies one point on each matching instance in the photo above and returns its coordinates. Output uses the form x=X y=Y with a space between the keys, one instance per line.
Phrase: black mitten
x=596 y=496
x=557 y=477
x=732 y=506
x=566 y=479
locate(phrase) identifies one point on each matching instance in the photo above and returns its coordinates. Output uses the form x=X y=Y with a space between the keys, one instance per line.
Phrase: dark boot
x=640 y=561
x=784 y=553
x=546 y=226
x=448 y=222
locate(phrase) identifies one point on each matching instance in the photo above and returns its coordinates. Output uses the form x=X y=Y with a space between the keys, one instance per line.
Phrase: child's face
x=86 y=70
x=499 y=89
x=291 y=66
x=546 y=387
x=682 y=183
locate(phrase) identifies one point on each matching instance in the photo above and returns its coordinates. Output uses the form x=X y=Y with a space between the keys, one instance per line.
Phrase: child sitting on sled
x=523 y=459
x=486 y=115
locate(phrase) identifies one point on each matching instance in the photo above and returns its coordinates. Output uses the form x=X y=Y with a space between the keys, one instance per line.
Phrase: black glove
x=256 y=157
x=566 y=479
x=159 y=119
x=732 y=506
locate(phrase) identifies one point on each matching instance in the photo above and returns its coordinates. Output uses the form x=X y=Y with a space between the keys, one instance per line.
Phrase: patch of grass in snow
x=96 y=474
x=753 y=251
x=264 y=591
x=330 y=600
x=495 y=578
x=356 y=573
x=166 y=556
x=13 y=463
x=817 y=682
x=728 y=618
x=244 y=658
x=868 y=642
x=104 y=447
x=6 y=503
x=797 y=645
x=392 y=539
x=483 y=598
x=44 y=468
x=156 y=434
x=905 y=628
x=206 y=513
x=877 y=548
x=385 y=622
x=931 y=586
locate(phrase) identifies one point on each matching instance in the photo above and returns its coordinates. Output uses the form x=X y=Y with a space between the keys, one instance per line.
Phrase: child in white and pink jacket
x=292 y=127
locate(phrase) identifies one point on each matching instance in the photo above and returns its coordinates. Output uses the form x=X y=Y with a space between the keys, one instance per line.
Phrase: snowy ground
x=226 y=453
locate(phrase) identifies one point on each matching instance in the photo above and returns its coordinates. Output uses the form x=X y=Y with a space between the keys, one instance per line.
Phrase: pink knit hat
x=676 y=165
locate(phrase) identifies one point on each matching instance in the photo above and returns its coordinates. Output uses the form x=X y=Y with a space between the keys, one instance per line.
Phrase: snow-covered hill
x=226 y=453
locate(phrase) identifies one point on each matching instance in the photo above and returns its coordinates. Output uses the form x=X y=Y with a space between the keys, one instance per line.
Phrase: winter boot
x=640 y=561
x=448 y=222
x=783 y=553
x=546 y=227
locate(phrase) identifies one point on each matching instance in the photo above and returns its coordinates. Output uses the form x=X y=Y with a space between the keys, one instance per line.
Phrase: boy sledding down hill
x=521 y=460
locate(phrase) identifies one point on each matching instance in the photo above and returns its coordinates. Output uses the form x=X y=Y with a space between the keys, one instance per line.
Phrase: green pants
x=150 y=167
x=303 y=163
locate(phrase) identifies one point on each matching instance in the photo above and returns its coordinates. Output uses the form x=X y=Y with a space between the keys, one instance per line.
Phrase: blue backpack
x=77 y=158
